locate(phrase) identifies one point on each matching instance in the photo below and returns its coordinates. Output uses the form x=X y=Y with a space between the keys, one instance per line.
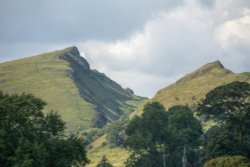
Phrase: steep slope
x=193 y=87
x=83 y=97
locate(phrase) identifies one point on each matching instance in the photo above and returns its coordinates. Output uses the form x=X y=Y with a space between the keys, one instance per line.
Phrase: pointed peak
x=214 y=68
x=216 y=63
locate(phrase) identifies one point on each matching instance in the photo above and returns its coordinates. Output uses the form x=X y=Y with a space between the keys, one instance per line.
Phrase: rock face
x=193 y=87
x=130 y=91
x=96 y=88
x=64 y=79
x=73 y=53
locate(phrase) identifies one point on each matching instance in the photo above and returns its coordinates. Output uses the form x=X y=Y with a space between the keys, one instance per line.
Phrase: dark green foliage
x=67 y=152
x=185 y=131
x=92 y=135
x=147 y=135
x=116 y=132
x=54 y=124
x=228 y=161
x=230 y=104
x=157 y=133
x=220 y=141
x=104 y=162
x=99 y=120
x=183 y=124
x=28 y=138
x=148 y=130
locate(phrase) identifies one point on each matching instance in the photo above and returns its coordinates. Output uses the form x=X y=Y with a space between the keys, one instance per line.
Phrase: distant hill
x=83 y=97
x=193 y=87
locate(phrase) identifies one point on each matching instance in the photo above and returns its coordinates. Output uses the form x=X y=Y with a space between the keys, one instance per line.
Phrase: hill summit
x=64 y=79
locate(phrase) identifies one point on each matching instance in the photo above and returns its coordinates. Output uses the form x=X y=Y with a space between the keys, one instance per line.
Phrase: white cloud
x=235 y=31
x=176 y=42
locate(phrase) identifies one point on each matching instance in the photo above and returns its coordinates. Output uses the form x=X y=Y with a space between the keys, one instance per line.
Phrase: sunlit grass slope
x=64 y=80
x=48 y=77
x=190 y=89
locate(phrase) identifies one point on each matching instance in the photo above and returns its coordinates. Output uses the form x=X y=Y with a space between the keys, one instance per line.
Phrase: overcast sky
x=142 y=44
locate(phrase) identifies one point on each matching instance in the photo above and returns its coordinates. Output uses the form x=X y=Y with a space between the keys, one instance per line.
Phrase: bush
x=104 y=162
x=228 y=161
x=116 y=132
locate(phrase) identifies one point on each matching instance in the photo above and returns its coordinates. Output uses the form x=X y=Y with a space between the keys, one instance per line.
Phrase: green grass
x=47 y=77
x=51 y=78
x=116 y=156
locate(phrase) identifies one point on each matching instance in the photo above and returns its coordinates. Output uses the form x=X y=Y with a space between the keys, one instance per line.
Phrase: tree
x=185 y=125
x=150 y=129
x=147 y=135
x=99 y=120
x=30 y=138
x=228 y=161
x=185 y=131
x=116 y=131
x=159 y=137
x=230 y=104
x=104 y=162
x=220 y=141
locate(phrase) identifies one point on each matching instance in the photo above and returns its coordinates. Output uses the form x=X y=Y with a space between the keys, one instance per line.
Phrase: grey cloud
x=76 y=20
x=208 y=3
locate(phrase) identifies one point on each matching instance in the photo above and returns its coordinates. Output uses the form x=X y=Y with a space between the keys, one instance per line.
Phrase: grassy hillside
x=193 y=87
x=64 y=80
x=116 y=155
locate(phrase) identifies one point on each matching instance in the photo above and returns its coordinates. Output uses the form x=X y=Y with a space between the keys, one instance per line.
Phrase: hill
x=82 y=96
x=193 y=87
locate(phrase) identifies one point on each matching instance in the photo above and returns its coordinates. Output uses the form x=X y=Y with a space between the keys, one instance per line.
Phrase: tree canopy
x=148 y=130
x=29 y=138
x=220 y=141
x=230 y=104
x=157 y=134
